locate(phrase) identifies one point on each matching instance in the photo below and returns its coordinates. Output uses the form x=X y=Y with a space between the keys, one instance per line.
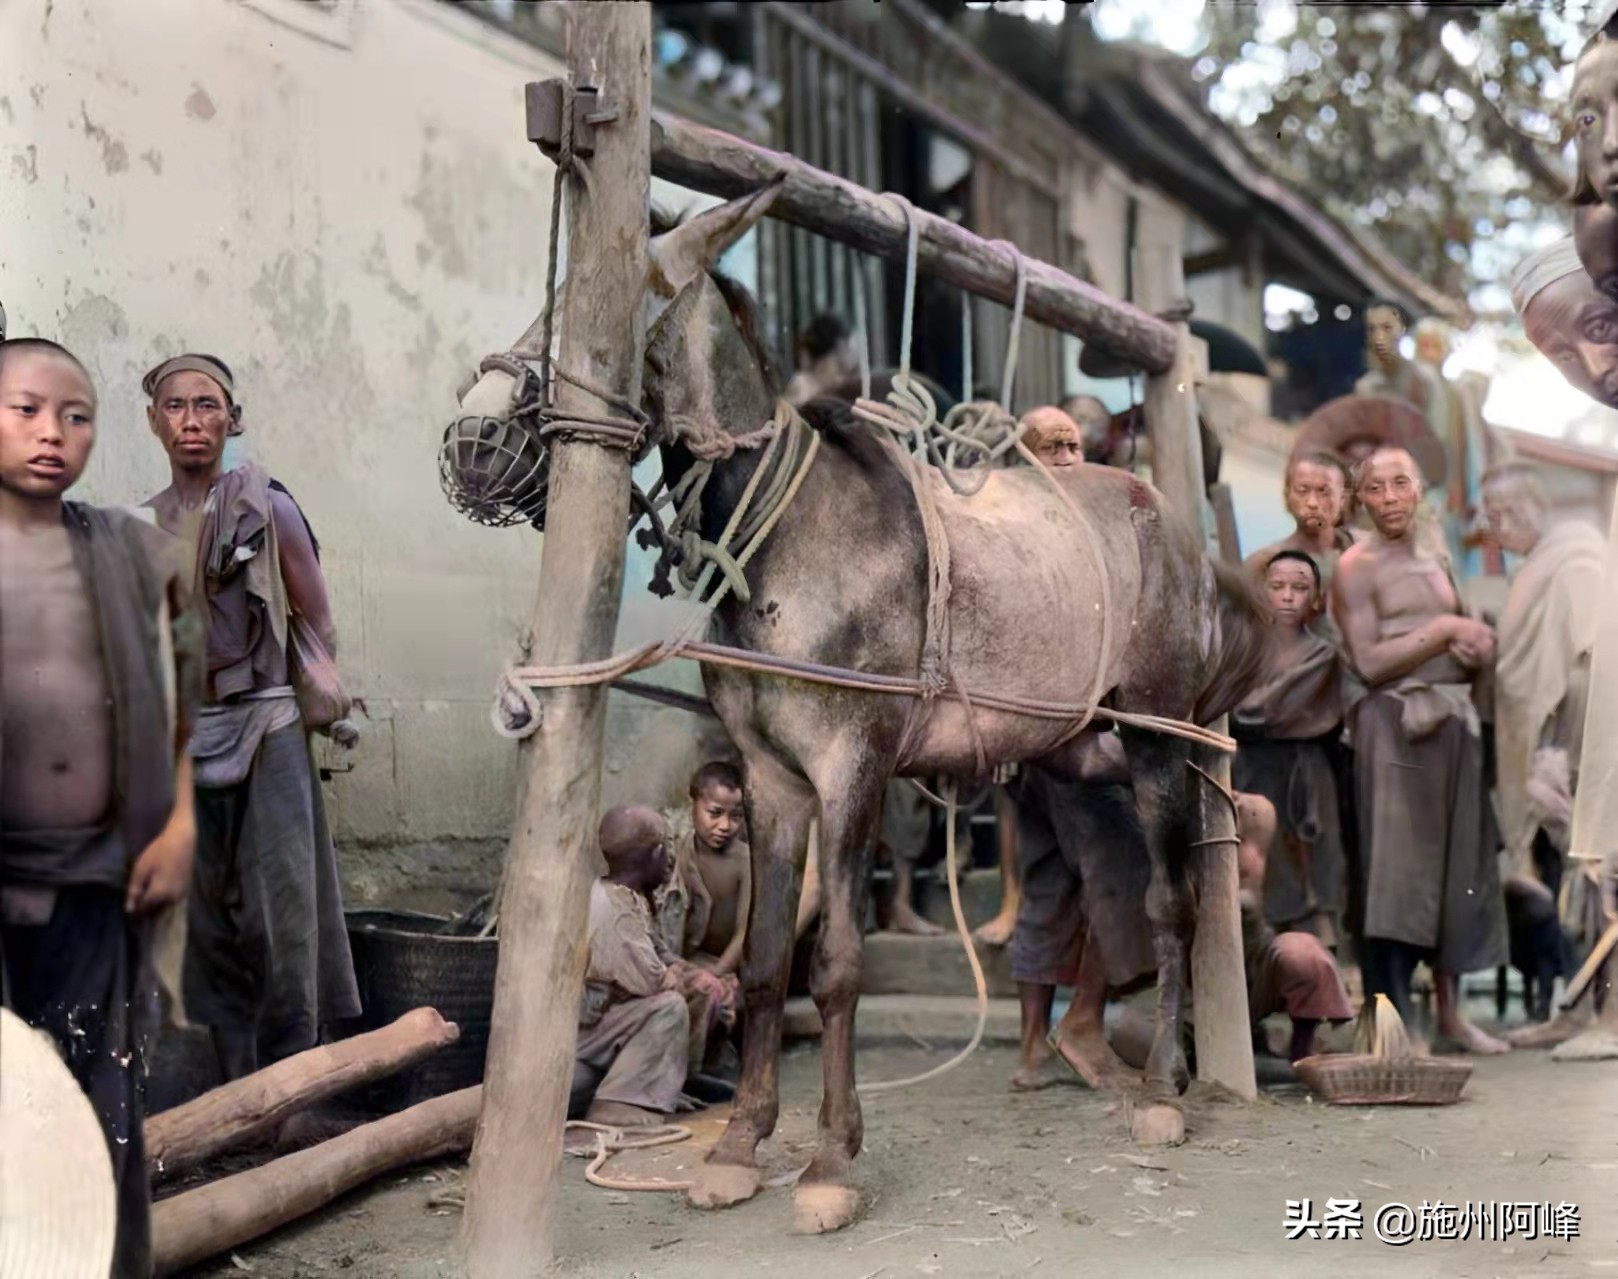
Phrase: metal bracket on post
x=545 y=100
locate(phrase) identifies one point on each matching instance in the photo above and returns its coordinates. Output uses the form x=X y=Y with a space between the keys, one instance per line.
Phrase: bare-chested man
x=99 y=665
x=1432 y=883
x=267 y=956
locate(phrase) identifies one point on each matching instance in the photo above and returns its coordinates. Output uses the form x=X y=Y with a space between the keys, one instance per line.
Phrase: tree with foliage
x=1437 y=128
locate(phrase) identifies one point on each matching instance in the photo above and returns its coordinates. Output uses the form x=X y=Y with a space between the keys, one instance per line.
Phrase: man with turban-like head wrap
x=267 y=960
x=1571 y=323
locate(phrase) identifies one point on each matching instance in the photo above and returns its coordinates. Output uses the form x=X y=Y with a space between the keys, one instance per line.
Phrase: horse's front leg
x=779 y=805
x=1157 y=765
x=850 y=801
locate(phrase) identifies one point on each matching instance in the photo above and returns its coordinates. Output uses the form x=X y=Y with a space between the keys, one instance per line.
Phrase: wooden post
x=1595 y=803
x=1218 y=975
x=553 y=857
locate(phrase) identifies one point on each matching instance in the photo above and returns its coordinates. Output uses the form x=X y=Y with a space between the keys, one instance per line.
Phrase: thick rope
x=889 y=1085
x=520 y=679
x=611 y=1141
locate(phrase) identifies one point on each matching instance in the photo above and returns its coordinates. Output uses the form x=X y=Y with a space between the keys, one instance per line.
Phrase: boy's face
x=717 y=816
x=47 y=424
x=1290 y=587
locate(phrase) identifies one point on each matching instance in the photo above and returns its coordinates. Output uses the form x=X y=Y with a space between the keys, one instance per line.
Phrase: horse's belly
x=1041 y=609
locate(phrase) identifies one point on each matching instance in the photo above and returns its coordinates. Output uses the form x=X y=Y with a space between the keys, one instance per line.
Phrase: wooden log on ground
x=551 y=863
x=227 y=1213
x=723 y=165
x=249 y=1108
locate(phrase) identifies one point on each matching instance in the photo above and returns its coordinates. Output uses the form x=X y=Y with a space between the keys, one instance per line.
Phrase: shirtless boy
x=716 y=929
x=96 y=823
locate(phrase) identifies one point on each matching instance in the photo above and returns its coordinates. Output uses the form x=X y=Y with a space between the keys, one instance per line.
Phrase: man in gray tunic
x=267 y=959
x=1432 y=885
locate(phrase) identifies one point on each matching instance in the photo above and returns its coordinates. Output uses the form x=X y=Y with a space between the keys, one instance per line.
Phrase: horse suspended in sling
x=842 y=581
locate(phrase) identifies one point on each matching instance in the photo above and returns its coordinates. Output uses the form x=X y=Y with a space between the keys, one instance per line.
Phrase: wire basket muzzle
x=495 y=471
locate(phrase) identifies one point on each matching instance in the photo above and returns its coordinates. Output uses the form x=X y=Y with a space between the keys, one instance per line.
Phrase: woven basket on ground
x=1360 y=1079
x=404 y=960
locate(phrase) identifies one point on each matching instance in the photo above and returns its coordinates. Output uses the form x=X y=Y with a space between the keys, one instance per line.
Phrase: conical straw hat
x=58 y=1209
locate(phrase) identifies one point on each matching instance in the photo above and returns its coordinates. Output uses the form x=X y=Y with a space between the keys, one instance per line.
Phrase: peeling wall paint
x=351 y=227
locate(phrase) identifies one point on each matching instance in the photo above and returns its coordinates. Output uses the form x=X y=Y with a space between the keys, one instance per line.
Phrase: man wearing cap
x=1569 y=320
x=267 y=959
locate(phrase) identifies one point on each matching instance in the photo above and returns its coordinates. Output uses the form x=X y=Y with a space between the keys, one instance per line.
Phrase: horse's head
x=704 y=364
x=700 y=354
x=704 y=360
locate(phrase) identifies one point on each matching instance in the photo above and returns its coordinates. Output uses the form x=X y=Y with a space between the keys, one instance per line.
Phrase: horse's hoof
x=822 y=1207
x=1156 y=1123
x=721 y=1185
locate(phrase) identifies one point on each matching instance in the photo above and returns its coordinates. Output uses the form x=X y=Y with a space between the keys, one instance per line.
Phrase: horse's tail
x=1240 y=639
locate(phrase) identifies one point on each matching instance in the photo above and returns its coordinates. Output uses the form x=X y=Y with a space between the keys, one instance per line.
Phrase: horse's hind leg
x=825 y=1200
x=779 y=805
x=1166 y=802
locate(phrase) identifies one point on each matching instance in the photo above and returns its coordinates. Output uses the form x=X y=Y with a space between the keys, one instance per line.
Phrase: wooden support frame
x=718 y=164
x=552 y=860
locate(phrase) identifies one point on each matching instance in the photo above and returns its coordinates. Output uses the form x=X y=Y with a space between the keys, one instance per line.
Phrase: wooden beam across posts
x=719 y=164
x=552 y=860
x=1218 y=974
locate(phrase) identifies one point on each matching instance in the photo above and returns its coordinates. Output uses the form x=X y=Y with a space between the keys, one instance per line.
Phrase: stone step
x=898 y=964
x=980 y=897
x=934 y=1019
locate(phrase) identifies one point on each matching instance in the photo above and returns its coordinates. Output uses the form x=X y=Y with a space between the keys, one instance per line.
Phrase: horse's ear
x=680 y=257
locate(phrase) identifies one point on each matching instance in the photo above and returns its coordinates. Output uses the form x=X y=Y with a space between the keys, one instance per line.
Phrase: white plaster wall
x=351 y=216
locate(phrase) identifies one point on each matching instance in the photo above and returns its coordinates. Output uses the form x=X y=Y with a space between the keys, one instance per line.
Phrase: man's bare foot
x=618 y=1114
x=1087 y=1053
x=905 y=920
x=1597 y=1043
x=1548 y=1034
x=1039 y=1073
x=997 y=932
x=1467 y=1038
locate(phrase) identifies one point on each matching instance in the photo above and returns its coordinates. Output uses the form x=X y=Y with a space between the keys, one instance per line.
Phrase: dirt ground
x=963 y=1179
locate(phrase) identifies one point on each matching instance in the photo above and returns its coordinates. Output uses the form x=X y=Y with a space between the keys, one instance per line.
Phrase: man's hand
x=1471 y=643
x=162 y=873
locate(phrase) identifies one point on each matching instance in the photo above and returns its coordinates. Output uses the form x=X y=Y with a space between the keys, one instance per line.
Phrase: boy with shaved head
x=99 y=666
x=636 y=1019
x=267 y=958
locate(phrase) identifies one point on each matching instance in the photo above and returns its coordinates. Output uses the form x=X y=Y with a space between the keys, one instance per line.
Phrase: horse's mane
x=743 y=306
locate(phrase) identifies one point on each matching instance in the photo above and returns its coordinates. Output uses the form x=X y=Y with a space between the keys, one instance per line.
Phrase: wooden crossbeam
x=726 y=166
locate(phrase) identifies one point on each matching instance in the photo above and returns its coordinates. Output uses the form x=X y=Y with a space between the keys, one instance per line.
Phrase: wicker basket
x=403 y=960
x=1362 y=1080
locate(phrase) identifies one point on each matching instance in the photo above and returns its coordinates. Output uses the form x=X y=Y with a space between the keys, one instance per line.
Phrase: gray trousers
x=642 y=1046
